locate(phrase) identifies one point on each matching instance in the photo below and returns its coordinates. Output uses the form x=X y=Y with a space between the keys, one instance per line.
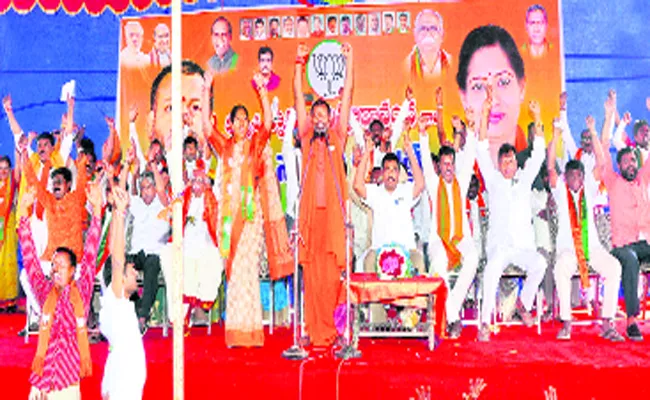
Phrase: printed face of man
x=274 y=27
x=192 y=89
x=388 y=23
x=246 y=28
x=318 y=24
x=331 y=25
x=374 y=22
x=403 y=22
x=266 y=64
x=161 y=38
x=259 y=29
x=361 y=23
x=345 y=26
x=303 y=28
x=489 y=67
x=536 y=27
x=134 y=36
x=220 y=38
x=428 y=33
x=288 y=27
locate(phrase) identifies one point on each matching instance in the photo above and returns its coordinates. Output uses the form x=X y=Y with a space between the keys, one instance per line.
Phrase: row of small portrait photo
x=321 y=25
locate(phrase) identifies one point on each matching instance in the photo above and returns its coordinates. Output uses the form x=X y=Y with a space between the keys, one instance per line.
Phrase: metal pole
x=176 y=171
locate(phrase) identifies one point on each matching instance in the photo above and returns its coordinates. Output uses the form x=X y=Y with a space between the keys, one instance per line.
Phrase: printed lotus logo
x=326 y=69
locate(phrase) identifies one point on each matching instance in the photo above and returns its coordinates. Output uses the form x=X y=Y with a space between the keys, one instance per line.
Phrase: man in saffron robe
x=323 y=200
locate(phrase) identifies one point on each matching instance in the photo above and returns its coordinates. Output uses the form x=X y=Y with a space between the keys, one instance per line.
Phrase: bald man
x=160 y=54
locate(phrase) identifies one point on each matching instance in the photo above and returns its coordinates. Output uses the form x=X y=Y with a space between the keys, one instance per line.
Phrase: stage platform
x=516 y=364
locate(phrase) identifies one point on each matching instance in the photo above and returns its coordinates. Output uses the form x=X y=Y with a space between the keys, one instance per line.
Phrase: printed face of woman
x=490 y=66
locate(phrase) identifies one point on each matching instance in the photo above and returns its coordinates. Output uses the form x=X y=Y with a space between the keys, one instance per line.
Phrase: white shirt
x=391 y=215
x=564 y=236
x=510 y=223
x=422 y=217
x=464 y=171
x=541 y=226
x=126 y=368
x=148 y=230
x=197 y=235
x=292 y=162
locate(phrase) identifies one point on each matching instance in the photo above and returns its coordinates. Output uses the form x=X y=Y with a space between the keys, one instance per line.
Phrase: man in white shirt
x=125 y=371
x=391 y=205
x=450 y=241
x=641 y=131
x=578 y=244
x=511 y=237
x=147 y=240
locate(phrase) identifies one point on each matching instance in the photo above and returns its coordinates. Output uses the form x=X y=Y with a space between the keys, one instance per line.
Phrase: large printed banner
x=395 y=46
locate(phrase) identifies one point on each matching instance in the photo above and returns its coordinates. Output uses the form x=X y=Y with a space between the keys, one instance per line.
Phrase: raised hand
x=424 y=123
x=133 y=113
x=260 y=85
x=303 y=51
x=346 y=50
x=409 y=93
x=121 y=199
x=534 y=109
x=356 y=155
x=27 y=201
x=7 y=103
x=591 y=123
x=456 y=123
x=647 y=103
x=130 y=153
x=627 y=118
x=407 y=144
x=472 y=117
x=439 y=96
x=610 y=105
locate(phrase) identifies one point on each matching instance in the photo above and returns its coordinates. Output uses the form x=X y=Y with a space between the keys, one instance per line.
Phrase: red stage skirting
x=517 y=364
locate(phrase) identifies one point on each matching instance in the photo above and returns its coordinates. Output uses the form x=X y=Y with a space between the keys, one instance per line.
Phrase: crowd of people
x=77 y=218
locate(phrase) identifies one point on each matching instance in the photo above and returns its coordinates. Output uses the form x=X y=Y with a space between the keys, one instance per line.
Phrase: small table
x=421 y=292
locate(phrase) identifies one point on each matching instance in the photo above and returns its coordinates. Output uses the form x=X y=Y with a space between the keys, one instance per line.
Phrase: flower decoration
x=393 y=262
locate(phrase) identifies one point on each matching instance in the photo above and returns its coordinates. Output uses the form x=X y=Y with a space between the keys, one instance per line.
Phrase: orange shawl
x=444 y=226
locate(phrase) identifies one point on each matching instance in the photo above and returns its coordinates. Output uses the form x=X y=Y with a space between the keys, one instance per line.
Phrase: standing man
x=450 y=243
x=629 y=205
x=511 y=237
x=224 y=58
x=160 y=55
x=323 y=201
x=578 y=243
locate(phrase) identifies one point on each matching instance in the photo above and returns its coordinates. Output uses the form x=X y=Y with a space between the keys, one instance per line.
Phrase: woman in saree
x=8 y=236
x=250 y=212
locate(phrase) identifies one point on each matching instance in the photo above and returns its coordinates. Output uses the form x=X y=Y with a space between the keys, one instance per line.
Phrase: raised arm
x=91 y=245
x=40 y=284
x=118 y=241
x=7 y=104
x=346 y=100
x=289 y=158
x=531 y=169
x=397 y=127
x=440 y=117
x=483 y=157
x=357 y=130
x=429 y=172
x=466 y=157
x=619 y=139
x=361 y=172
x=134 y=137
x=603 y=159
x=551 y=156
x=263 y=93
x=418 y=178
x=610 y=111
x=44 y=197
x=298 y=96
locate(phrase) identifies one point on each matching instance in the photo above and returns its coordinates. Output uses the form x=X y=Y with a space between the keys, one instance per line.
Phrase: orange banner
x=395 y=46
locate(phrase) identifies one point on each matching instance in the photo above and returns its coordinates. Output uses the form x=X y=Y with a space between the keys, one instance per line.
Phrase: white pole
x=176 y=171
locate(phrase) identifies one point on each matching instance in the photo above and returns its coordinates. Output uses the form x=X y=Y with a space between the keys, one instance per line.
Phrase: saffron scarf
x=444 y=226
x=416 y=62
x=580 y=233
x=85 y=363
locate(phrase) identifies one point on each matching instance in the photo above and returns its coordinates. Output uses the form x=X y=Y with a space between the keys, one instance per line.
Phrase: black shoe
x=455 y=328
x=22 y=333
x=143 y=328
x=633 y=333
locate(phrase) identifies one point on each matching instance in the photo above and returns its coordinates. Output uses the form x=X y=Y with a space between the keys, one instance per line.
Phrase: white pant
x=498 y=260
x=202 y=272
x=603 y=263
x=439 y=261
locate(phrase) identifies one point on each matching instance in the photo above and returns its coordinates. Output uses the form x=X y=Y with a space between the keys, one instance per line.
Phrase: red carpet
x=516 y=364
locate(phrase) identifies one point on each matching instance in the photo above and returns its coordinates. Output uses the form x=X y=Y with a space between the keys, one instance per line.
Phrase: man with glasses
x=428 y=59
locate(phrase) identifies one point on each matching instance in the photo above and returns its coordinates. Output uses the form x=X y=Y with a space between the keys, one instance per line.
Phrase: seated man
x=147 y=241
x=450 y=242
x=511 y=238
x=391 y=205
x=578 y=243
x=628 y=196
x=203 y=265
